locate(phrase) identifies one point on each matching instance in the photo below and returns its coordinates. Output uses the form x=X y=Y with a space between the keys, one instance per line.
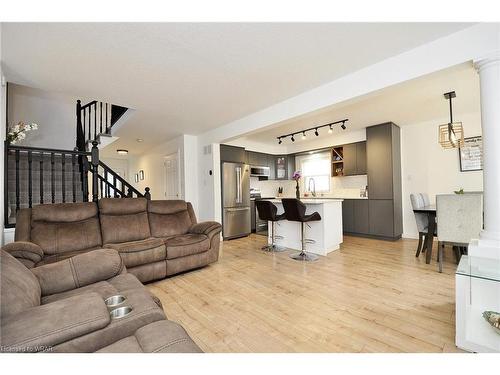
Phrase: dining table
x=430 y=211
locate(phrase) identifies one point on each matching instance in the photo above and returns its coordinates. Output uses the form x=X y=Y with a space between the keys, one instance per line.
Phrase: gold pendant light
x=451 y=135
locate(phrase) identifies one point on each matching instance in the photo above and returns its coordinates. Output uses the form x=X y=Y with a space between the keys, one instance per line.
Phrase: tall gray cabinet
x=383 y=158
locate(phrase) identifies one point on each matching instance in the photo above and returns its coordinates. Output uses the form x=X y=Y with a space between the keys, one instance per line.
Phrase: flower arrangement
x=18 y=132
x=296 y=176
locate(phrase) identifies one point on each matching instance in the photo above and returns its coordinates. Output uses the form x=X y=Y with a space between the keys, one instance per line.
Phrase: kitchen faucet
x=313 y=191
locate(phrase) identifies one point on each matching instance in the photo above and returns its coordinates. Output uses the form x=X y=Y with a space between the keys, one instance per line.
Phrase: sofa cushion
x=123 y=219
x=111 y=287
x=163 y=336
x=135 y=253
x=19 y=287
x=64 y=227
x=186 y=244
x=169 y=217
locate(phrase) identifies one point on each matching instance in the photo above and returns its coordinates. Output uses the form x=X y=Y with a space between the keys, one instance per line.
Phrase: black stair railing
x=93 y=119
x=35 y=175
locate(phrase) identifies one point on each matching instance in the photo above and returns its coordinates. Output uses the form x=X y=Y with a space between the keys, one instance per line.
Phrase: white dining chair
x=425 y=198
x=459 y=220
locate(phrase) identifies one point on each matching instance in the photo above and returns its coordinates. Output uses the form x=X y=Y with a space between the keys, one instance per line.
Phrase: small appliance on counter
x=280 y=191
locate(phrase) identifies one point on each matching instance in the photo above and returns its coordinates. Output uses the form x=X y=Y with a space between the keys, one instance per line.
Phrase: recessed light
x=122 y=152
x=139 y=140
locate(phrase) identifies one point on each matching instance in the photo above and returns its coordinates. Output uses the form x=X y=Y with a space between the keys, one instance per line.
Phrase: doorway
x=172 y=178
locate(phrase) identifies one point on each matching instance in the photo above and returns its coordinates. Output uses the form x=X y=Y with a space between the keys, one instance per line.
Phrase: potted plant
x=296 y=176
x=18 y=132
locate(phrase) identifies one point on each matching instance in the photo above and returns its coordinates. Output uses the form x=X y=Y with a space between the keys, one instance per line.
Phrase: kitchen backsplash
x=340 y=187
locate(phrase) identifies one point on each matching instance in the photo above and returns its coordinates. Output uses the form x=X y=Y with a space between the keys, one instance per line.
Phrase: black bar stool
x=267 y=211
x=295 y=210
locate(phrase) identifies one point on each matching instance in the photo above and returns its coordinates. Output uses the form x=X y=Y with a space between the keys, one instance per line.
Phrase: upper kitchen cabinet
x=253 y=158
x=290 y=165
x=284 y=166
x=232 y=154
x=354 y=159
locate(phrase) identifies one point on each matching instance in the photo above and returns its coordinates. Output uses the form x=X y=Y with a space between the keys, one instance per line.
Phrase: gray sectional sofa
x=69 y=259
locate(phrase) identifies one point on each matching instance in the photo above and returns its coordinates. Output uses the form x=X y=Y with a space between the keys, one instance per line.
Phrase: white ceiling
x=408 y=103
x=187 y=78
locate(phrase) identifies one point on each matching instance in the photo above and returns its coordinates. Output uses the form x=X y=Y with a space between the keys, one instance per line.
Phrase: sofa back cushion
x=124 y=219
x=65 y=227
x=20 y=289
x=170 y=217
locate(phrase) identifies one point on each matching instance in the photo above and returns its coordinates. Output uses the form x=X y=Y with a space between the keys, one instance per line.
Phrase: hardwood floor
x=371 y=296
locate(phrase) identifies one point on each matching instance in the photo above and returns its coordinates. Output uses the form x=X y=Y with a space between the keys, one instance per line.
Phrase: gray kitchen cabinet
x=290 y=165
x=383 y=164
x=253 y=158
x=350 y=159
x=280 y=167
x=233 y=154
x=381 y=212
x=354 y=159
x=271 y=163
x=361 y=216
x=361 y=157
x=348 y=215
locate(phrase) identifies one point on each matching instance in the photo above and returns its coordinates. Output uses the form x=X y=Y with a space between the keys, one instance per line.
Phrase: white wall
x=54 y=113
x=428 y=168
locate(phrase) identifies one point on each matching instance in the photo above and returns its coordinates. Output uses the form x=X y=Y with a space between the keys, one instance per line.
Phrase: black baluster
x=41 y=177
x=95 y=172
x=85 y=178
x=114 y=187
x=100 y=121
x=30 y=179
x=107 y=130
x=52 y=178
x=84 y=125
x=17 y=180
x=129 y=193
x=73 y=172
x=95 y=121
x=102 y=187
x=106 y=185
x=147 y=194
x=63 y=177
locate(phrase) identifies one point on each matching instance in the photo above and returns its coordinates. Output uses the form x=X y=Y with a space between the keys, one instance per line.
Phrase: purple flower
x=296 y=175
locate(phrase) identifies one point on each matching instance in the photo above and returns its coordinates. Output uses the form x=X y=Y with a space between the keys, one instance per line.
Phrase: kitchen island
x=327 y=232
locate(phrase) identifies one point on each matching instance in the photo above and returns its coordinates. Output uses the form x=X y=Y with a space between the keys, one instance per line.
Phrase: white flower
x=16 y=128
x=22 y=136
x=34 y=126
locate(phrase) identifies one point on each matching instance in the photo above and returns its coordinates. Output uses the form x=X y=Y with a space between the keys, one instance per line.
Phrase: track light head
x=303 y=135
x=293 y=139
x=330 y=130
x=343 y=126
x=316 y=132
x=280 y=141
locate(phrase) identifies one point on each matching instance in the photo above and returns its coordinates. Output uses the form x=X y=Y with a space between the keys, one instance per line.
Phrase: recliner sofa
x=60 y=307
x=155 y=239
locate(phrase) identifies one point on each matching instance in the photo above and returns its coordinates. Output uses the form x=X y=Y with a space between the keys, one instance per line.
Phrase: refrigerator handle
x=238 y=185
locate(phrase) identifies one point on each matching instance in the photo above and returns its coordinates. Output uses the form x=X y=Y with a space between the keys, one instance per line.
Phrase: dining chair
x=459 y=220
x=425 y=198
x=421 y=220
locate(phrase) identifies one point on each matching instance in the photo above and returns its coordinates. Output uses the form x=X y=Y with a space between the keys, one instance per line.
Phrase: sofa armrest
x=42 y=327
x=80 y=270
x=208 y=228
x=28 y=253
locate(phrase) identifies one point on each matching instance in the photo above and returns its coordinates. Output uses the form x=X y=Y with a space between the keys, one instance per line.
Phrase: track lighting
x=316 y=131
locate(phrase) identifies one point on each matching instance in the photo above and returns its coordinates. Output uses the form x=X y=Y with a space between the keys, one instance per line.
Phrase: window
x=317 y=168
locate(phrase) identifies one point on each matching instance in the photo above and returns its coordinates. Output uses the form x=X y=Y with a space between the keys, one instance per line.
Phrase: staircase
x=41 y=175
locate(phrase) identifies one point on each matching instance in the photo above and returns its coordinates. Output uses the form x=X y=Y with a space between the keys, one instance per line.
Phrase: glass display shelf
x=481 y=268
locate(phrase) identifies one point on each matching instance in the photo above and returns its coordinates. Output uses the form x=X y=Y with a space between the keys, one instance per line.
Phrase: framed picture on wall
x=141 y=175
x=471 y=154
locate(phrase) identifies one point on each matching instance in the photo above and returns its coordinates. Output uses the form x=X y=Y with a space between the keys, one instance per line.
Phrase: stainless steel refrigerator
x=235 y=200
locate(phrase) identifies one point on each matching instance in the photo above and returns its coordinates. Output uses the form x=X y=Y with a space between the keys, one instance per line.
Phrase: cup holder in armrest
x=115 y=300
x=120 y=312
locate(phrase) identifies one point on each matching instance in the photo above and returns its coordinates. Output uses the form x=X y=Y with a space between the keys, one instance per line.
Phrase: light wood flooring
x=369 y=296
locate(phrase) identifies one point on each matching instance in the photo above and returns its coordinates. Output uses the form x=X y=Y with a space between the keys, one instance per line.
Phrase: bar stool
x=295 y=210
x=267 y=211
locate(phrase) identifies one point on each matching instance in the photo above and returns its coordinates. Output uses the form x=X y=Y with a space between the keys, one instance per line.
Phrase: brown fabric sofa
x=60 y=307
x=155 y=239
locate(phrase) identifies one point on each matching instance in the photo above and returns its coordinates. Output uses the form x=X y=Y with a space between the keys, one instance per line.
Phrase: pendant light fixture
x=451 y=135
